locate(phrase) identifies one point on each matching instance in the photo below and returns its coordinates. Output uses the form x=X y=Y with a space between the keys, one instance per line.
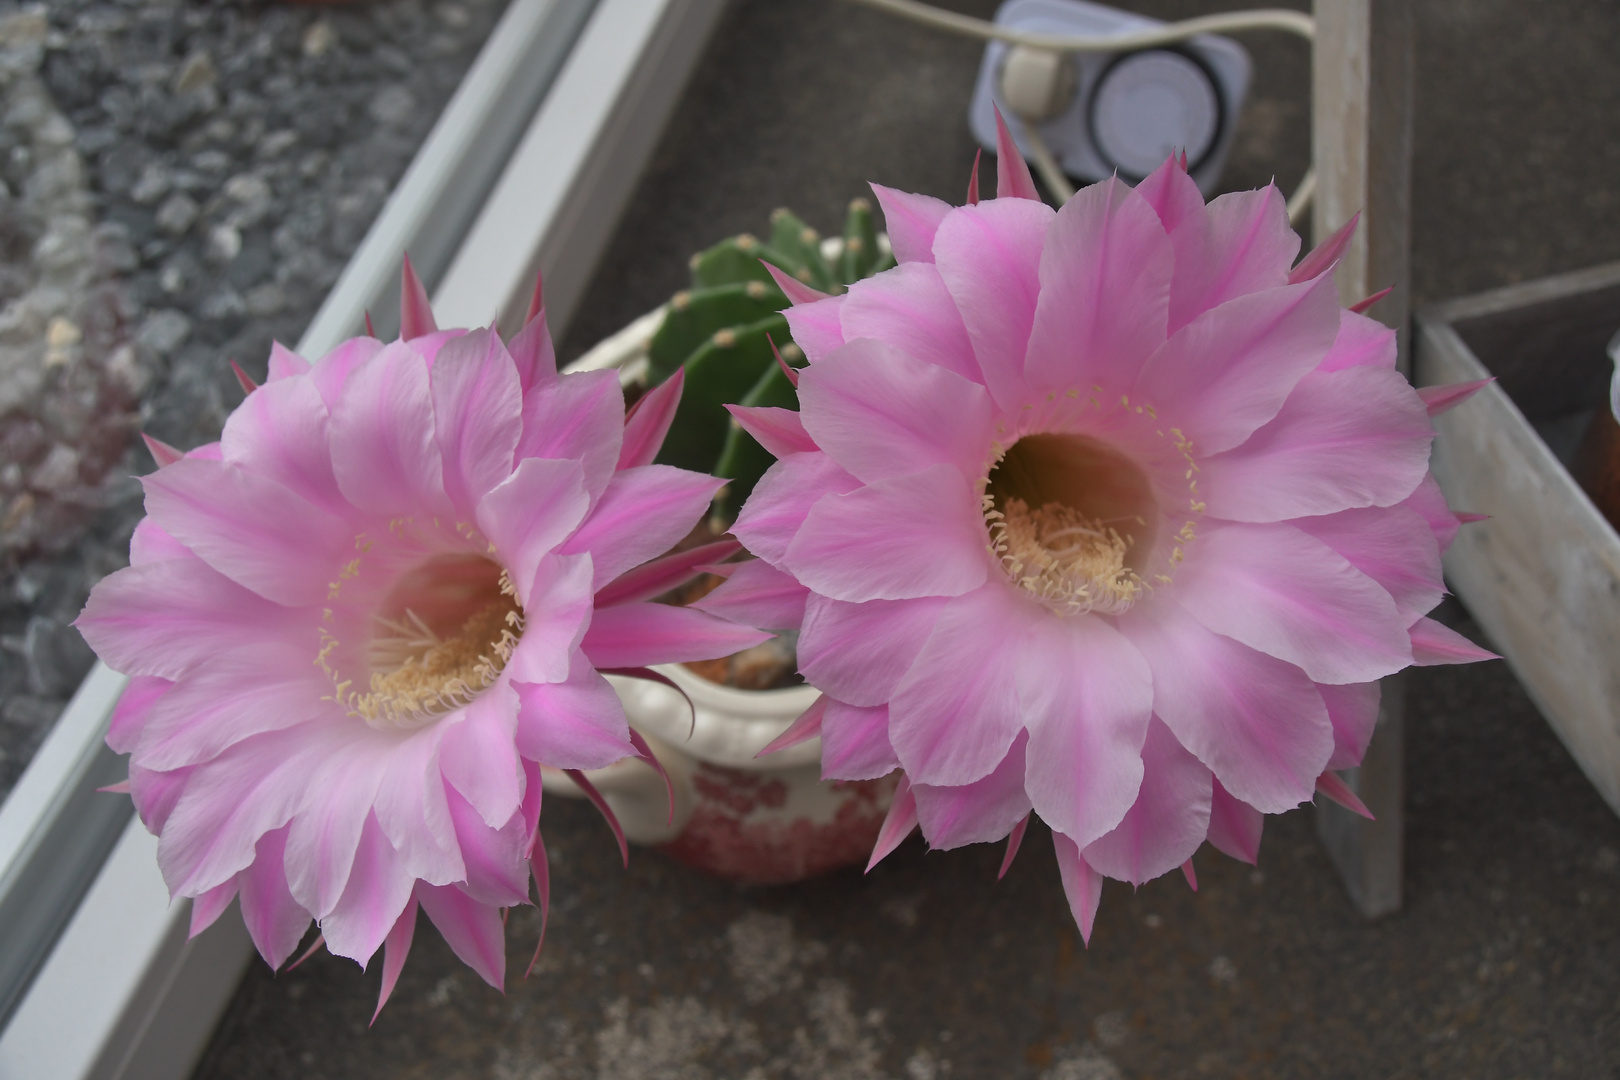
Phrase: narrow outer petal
x=1169 y=819
x=859 y=652
x=776 y=511
x=478 y=415
x=910 y=309
x=975 y=813
x=911 y=221
x=855 y=742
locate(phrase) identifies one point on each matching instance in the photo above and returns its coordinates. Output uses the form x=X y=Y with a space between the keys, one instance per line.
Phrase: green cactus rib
x=724 y=370
x=720 y=332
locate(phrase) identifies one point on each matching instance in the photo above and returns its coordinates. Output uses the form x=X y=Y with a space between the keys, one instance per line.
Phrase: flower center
x=440 y=638
x=1070 y=520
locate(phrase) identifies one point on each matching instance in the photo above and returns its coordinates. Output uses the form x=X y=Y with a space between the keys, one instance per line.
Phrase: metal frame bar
x=124 y=991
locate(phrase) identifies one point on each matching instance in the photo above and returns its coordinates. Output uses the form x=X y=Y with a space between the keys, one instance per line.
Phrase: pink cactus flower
x=1110 y=512
x=359 y=623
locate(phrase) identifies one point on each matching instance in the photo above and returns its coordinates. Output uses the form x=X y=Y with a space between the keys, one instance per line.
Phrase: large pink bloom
x=359 y=623
x=1107 y=512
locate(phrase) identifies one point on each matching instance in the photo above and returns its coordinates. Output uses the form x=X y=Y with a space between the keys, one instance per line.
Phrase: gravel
x=180 y=184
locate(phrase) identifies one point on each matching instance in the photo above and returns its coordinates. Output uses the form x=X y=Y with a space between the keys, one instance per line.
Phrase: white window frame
x=528 y=168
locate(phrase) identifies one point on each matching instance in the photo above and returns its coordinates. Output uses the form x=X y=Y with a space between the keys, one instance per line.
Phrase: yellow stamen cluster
x=1067 y=561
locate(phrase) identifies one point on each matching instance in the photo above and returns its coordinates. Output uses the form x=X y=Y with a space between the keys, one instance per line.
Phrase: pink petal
x=910 y=309
x=989 y=257
x=855 y=742
x=383 y=450
x=1081 y=884
x=534 y=354
x=274 y=920
x=1251 y=246
x=1086 y=695
x=1291 y=596
x=1361 y=342
x=1229 y=370
x=166 y=618
x=805 y=727
x=1256 y=721
x=412 y=806
x=649 y=420
x=253 y=530
x=134 y=706
x=1169 y=819
x=377 y=893
x=155 y=795
x=956 y=711
x=640 y=635
x=776 y=511
x=1351 y=438
x=472 y=930
x=284 y=363
x=780 y=431
x=530 y=513
x=396 y=947
x=323 y=845
x=659 y=576
x=1327 y=253
x=497 y=858
x=477 y=415
x=1393 y=546
x=281 y=435
x=1012 y=171
x=580 y=416
x=237 y=696
x=643 y=512
x=1353 y=710
x=880 y=413
x=208 y=907
x=1435 y=643
x=910 y=536
x=911 y=221
x=897 y=824
x=859 y=652
x=1235 y=826
x=1332 y=786
x=151 y=544
x=1105 y=292
x=1015 y=840
x=331 y=372
x=1175 y=198
x=758 y=594
x=477 y=756
x=578 y=723
x=975 y=813
x=554 y=621
x=816 y=326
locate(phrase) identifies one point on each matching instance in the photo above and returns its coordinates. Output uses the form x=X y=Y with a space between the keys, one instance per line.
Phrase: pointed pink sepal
x=792 y=376
x=415 y=313
x=648 y=420
x=243 y=379
x=639 y=741
x=120 y=788
x=973 y=179
x=655 y=578
x=1466 y=518
x=601 y=804
x=1325 y=254
x=1015 y=840
x=1360 y=306
x=1012 y=171
x=396 y=947
x=541 y=869
x=1437 y=399
x=778 y=430
x=1081 y=884
x=1435 y=643
x=161 y=452
x=1190 y=874
x=803 y=729
x=795 y=290
x=897 y=825
x=371 y=331
x=537 y=301
x=1333 y=787
x=320 y=939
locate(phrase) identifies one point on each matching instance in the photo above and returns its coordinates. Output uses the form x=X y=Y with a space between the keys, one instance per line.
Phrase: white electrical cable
x=1052 y=175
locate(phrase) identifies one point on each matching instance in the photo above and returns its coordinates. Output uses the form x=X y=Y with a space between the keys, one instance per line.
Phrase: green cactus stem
x=720 y=331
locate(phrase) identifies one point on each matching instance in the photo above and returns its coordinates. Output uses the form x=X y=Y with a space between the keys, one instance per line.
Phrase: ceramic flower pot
x=764 y=820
